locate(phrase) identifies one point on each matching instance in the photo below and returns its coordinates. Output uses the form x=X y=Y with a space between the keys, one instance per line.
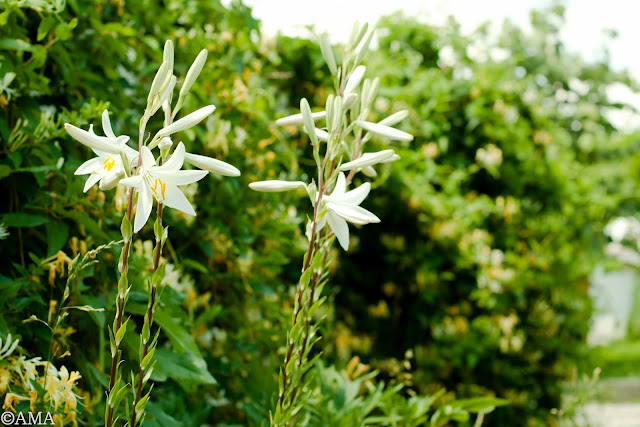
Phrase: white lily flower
x=354 y=79
x=296 y=119
x=368 y=159
x=107 y=168
x=344 y=206
x=276 y=185
x=161 y=183
x=384 y=130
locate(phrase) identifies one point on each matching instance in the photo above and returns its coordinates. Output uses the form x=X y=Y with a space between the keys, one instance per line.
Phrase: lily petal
x=132 y=181
x=177 y=200
x=148 y=161
x=357 y=195
x=93 y=178
x=93 y=141
x=340 y=229
x=89 y=166
x=353 y=214
x=143 y=209
x=106 y=125
x=174 y=163
x=340 y=188
x=110 y=180
x=180 y=177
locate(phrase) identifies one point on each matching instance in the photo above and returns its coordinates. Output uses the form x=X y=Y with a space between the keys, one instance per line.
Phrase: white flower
x=276 y=185
x=161 y=183
x=107 y=168
x=343 y=206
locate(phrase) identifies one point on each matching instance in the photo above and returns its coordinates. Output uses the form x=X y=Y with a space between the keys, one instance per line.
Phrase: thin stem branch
x=152 y=302
x=115 y=359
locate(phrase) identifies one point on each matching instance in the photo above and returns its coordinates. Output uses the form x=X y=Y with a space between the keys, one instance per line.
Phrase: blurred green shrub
x=481 y=261
x=492 y=221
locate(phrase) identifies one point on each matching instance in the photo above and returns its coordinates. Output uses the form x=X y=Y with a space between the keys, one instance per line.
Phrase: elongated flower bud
x=167 y=54
x=165 y=93
x=327 y=53
x=193 y=73
x=100 y=143
x=309 y=126
x=394 y=118
x=276 y=185
x=354 y=79
x=322 y=135
x=386 y=131
x=212 y=165
x=158 y=81
x=349 y=100
x=187 y=121
x=296 y=119
x=368 y=159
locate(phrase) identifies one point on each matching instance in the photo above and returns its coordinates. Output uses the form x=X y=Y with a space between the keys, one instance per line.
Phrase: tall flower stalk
x=338 y=148
x=147 y=178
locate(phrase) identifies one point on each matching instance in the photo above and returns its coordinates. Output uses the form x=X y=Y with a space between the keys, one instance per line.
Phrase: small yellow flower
x=5 y=378
x=10 y=401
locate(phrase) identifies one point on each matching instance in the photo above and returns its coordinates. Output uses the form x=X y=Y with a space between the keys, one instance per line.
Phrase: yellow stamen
x=109 y=163
x=163 y=188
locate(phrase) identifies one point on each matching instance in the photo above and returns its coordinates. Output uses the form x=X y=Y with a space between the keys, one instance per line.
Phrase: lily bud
x=276 y=185
x=167 y=55
x=354 y=79
x=158 y=81
x=385 y=131
x=187 y=121
x=296 y=119
x=193 y=73
x=212 y=165
x=309 y=126
x=327 y=53
x=368 y=159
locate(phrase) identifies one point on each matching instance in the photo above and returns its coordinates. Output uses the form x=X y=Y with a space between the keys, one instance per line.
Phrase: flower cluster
x=152 y=177
x=34 y=382
x=343 y=152
x=147 y=176
x=338 y=143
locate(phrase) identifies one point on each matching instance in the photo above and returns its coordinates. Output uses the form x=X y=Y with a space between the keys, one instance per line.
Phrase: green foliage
x=491 y=222
x=481 y=264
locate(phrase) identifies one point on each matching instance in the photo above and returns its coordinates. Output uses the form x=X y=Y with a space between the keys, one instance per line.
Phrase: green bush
x=492 y=221
x=478 y=322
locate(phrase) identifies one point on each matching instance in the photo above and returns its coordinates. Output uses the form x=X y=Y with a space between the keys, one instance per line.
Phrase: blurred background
x=505 y=263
